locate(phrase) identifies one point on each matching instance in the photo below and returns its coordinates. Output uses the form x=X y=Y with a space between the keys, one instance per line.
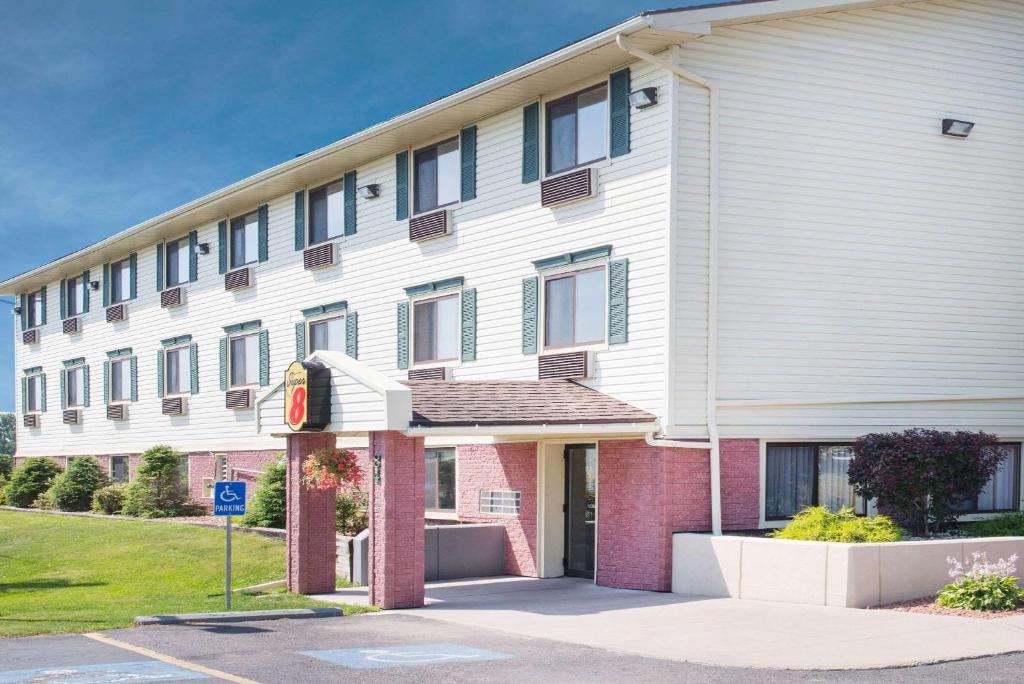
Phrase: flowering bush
x=817 y=523
x=327 y=469
x=982 y=585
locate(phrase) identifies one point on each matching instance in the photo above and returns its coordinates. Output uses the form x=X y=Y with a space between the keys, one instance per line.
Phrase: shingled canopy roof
x=445 y=403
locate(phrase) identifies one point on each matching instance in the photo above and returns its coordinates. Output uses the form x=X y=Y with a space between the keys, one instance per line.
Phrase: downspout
x=711 y=397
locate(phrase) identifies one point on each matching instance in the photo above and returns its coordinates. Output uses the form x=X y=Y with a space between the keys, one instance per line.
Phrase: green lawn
x=61 y=574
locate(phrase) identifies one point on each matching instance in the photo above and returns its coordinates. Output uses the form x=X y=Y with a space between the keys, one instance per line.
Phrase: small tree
x=268 y=507
x=8 y=434
x=32 y=477
x=6 y=465
x=108 y=500
x=918 y=477
x=159 y=490
x=73 y=489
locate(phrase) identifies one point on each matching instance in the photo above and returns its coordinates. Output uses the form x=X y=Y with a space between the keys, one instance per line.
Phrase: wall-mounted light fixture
x=956 y=128
x=95 y=284
x=203 y=248
x=644 y=98
x=369 y=191
x=17 y=310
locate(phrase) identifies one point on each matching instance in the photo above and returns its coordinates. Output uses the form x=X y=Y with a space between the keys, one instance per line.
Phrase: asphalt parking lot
x=392 y=648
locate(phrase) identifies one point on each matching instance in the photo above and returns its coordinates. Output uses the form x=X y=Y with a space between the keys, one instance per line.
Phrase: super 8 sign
x=307 y=396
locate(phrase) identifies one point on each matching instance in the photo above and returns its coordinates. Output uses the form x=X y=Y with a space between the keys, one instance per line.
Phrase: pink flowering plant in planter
x=982 y=585
x=327 y=469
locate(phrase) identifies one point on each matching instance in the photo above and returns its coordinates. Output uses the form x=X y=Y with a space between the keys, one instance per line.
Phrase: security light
x=95 y=284
x=370 y=191
x=17 y=310
x=956 y=129
x=644 y=98
x=203 y=248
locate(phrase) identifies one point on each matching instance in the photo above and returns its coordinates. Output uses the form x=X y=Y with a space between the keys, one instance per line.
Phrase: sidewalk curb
x=238 y=616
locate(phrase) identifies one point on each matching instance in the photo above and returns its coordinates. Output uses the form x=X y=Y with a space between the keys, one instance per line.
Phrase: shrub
x=32 y=477
x=919 y=476
x=1006 y=525
x=44 y=501
x=3 y=485
x=6 y=466
x=108 y=500
x=982 y=585
x=137 y=500
x=268 y=506
x=159 y=490
x=351 y=512
x=73 y=489
x=817 y=523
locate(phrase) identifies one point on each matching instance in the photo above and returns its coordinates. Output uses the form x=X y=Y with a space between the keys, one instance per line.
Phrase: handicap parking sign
x=229 y=498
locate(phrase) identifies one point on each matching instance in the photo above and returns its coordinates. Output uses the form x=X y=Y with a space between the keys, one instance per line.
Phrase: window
x=576 y=129
x=800 y=475
x=500 y=501
x=574 y=308
x=34 y=303
x=177 y=377
x=436 y=329
x=437 y=176
x=208 y=487
x=74 y=386
x=439 y=482
x=120 y=380
x=33 y=393
x=120 y=281
x=75 y=294
x=220 y=467
x=1001 y=493
x=176 y=262
x=119 y=468
x=245 y=239
x=327 y=334
x=244 y=360
x=326 y=212
x=183 y=469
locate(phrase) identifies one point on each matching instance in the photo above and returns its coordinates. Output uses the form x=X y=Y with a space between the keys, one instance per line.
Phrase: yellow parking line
x=104 y=639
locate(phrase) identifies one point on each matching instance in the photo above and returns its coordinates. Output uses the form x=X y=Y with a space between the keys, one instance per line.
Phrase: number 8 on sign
x=298 y=410
x=296 y=391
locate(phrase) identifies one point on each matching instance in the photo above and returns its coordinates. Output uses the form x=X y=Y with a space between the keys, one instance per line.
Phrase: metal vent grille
x=318 y=257
x=172 y=297
x=30 y=421
x=570 y=366
x=238 y=279
x=427 y=226
x=117 y=412
x=72 y=416
x=173 y=406
x=429 y=374
x=116 y=313
x=567 y=188
x=238 y=399
x=71 y=325
x=30 y=336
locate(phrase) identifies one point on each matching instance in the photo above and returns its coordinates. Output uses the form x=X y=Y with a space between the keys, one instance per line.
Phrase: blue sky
x=113 y=112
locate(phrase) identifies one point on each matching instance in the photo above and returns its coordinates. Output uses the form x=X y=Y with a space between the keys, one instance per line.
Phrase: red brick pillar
x=312 y=541
x=396 y=520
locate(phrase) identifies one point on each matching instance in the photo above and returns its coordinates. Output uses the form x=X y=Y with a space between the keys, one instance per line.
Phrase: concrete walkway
x=726 y=632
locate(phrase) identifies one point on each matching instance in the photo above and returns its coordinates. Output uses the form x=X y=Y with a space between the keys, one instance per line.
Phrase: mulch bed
x=928 y=606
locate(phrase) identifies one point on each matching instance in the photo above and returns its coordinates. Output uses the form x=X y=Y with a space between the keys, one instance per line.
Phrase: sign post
x=229 y=500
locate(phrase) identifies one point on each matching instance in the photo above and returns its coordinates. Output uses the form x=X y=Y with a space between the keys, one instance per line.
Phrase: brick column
x=396 y=521
x=311 y=534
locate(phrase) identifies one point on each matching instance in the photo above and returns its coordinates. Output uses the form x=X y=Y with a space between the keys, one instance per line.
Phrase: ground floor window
x=800 y=475
x=119 y=468
x=439 y=483
x=1002 y=492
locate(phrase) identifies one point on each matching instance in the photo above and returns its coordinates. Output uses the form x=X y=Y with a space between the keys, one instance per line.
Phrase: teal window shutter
x=160 y=268
x=300 y=220
x=350 y=203
x=63 y=301
x=193 y=256
x=263 y=216
x=106 y=382
x=618 y=113
x=23 y=303
x=264 y=357
x=193 y=368
x=300 y=340
x=401 y=186
x=469 y=324
x=531 y=142
x=85 y=385
x=133 y=266
x=63 y=390
x=530 y=287
x=42 y=393
x=467 y=148
x=24 y=395
x=133 y=370
x=106 y=285
x=42 y=294
x=618 y=301
x=352 y=334
x=160 y=373
x=222 y=245
x=224 y=364
x=403 y=335
x=86 y=288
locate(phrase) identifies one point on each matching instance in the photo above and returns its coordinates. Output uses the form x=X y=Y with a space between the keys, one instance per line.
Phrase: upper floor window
x=178 y=372
x=576 y=129
x=34 y=309
x=120 y=379
x=574 y=308
x=120 y=281
x=176 y=262
x=327 y=334
x=244 y=360
x=437 y=176
x=245 y=239
x=75 y=294
x=326 y=212
x=436 y=329
x=74 y=386
x=34 y=393
x=801 y=475
x=439 y=479
x=1001 y=492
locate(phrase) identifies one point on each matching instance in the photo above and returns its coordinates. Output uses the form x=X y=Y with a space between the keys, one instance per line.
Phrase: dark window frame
x=30 y=380
x=544 y=299
x=75 y=305
x=817 y=472
x=415 y=156
x=116 y=269
x=310 y=238
x=548 y=106
x=183 y=266
x=313 y=322
x=32 y=299
x=231 y=362
x=457 y=296
x=70 y=371
x=184 y=370
x=127 y=468
x=233 y=224
x=126 y=389
x=437 y=480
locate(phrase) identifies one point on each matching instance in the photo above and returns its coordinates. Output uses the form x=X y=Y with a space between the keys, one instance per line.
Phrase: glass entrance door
x=580 y=509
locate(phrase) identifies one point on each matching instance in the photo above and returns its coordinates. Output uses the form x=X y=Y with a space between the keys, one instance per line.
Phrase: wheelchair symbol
x=228 y=495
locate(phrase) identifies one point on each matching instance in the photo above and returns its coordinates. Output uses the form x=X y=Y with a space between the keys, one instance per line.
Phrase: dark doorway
x=580 y=509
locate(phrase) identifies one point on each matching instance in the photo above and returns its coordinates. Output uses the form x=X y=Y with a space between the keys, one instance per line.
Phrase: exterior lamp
x=369 y=191
x=95 y=284
x=644 y=98
x=956 y=129
x=203 y=248
x=17 y=310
